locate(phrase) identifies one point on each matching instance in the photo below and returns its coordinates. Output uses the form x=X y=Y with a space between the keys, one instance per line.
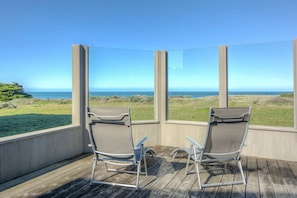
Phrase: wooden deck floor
x=265 y=178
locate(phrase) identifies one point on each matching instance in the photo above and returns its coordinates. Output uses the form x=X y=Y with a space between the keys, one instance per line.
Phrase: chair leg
x=198 y=174
x=138 y=173
x=241 y=171
x=188 y=161
x=145 y=165
x=143 y=156
x=225 y=167
x=197 y=167
x=93 y=170
x=106 y=167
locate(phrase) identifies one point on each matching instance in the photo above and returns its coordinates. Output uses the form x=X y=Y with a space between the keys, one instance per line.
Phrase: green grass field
x=26 y=115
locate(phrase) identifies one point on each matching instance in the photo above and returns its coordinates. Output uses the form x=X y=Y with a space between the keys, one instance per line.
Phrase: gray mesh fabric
x=227 y=130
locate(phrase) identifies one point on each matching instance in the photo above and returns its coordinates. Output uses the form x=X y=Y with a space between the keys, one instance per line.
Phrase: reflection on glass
x=121 y=77
x=192 y=83
x=261 y=75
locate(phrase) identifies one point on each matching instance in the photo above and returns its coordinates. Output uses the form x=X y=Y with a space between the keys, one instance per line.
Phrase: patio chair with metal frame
x=111 y=140
x=225 y=138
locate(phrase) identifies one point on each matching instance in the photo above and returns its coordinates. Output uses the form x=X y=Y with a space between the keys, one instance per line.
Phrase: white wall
x=22 y=154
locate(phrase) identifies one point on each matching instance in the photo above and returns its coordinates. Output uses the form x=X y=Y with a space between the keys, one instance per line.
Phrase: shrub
x=12 y=91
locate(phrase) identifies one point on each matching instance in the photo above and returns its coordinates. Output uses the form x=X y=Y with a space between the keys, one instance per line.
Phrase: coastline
x=184 y=94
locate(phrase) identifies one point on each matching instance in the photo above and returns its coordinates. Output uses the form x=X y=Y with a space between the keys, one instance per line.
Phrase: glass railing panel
x=192 y=83
x=48 y=83
x=261 y=76
x=122 y=77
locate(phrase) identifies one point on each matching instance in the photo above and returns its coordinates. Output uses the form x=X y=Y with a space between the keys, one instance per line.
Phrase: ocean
x=192 y=94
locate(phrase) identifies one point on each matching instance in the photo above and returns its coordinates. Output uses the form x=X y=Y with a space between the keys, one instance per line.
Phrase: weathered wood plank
x=228 y=176
x=225 y=191
x=185 y=186
x=211 y=191
x=275 y=172
x=265 y=181
x=168 y=172
x=159 y=168
x=82 y=180
x=153 y=167
x=252 y=187
x=288 y=177
x=76 y=190
x=287 y=173
x=278 y=183
x=239 y=190
x=46 y=182
x=176 y=181
x=37 y=173
x=293 y=166
x=195 y=191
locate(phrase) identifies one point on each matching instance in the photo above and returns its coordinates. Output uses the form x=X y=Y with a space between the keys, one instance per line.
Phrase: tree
x=12 y=91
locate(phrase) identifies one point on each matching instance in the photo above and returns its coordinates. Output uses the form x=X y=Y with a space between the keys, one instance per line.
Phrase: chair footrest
x=150 y=152
x=115 y=184
x=222 y=184
x=180 y=150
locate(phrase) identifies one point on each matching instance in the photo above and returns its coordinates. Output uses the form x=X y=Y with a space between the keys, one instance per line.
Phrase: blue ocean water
x=192 y=94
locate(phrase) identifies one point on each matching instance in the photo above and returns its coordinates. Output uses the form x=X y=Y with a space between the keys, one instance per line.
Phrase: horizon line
x=139 y=90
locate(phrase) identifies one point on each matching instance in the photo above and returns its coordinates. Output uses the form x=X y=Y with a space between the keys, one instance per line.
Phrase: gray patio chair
x=225 y=137
x=111 y=140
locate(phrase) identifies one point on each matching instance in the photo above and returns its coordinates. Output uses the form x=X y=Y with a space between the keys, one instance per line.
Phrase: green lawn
x=26 y=115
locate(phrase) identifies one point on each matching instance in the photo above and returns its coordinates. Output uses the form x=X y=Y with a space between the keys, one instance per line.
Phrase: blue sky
x=36 y=37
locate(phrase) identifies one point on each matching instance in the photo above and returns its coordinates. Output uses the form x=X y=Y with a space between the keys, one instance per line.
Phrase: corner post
x=161 y=94
x=295 y=80
x=80 y=89
x=223 y=76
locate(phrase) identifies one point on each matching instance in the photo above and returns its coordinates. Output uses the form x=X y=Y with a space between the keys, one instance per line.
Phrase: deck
x=166 y=178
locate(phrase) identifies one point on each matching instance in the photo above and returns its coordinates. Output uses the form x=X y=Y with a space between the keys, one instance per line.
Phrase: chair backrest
x=110 y=131
x=227 y=131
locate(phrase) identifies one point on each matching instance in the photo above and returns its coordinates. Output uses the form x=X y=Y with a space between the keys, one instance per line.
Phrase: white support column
x=161 y=95
x=86 y=94
x=223 y=76
x=295 y=81
x=80 y=90
x=78 y=84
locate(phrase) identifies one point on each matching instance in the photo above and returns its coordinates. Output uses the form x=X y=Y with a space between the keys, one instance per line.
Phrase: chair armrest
x=138 y=145
x=199 y=147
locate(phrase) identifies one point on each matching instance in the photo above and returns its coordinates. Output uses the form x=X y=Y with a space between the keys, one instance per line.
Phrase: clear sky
x=36 y=36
